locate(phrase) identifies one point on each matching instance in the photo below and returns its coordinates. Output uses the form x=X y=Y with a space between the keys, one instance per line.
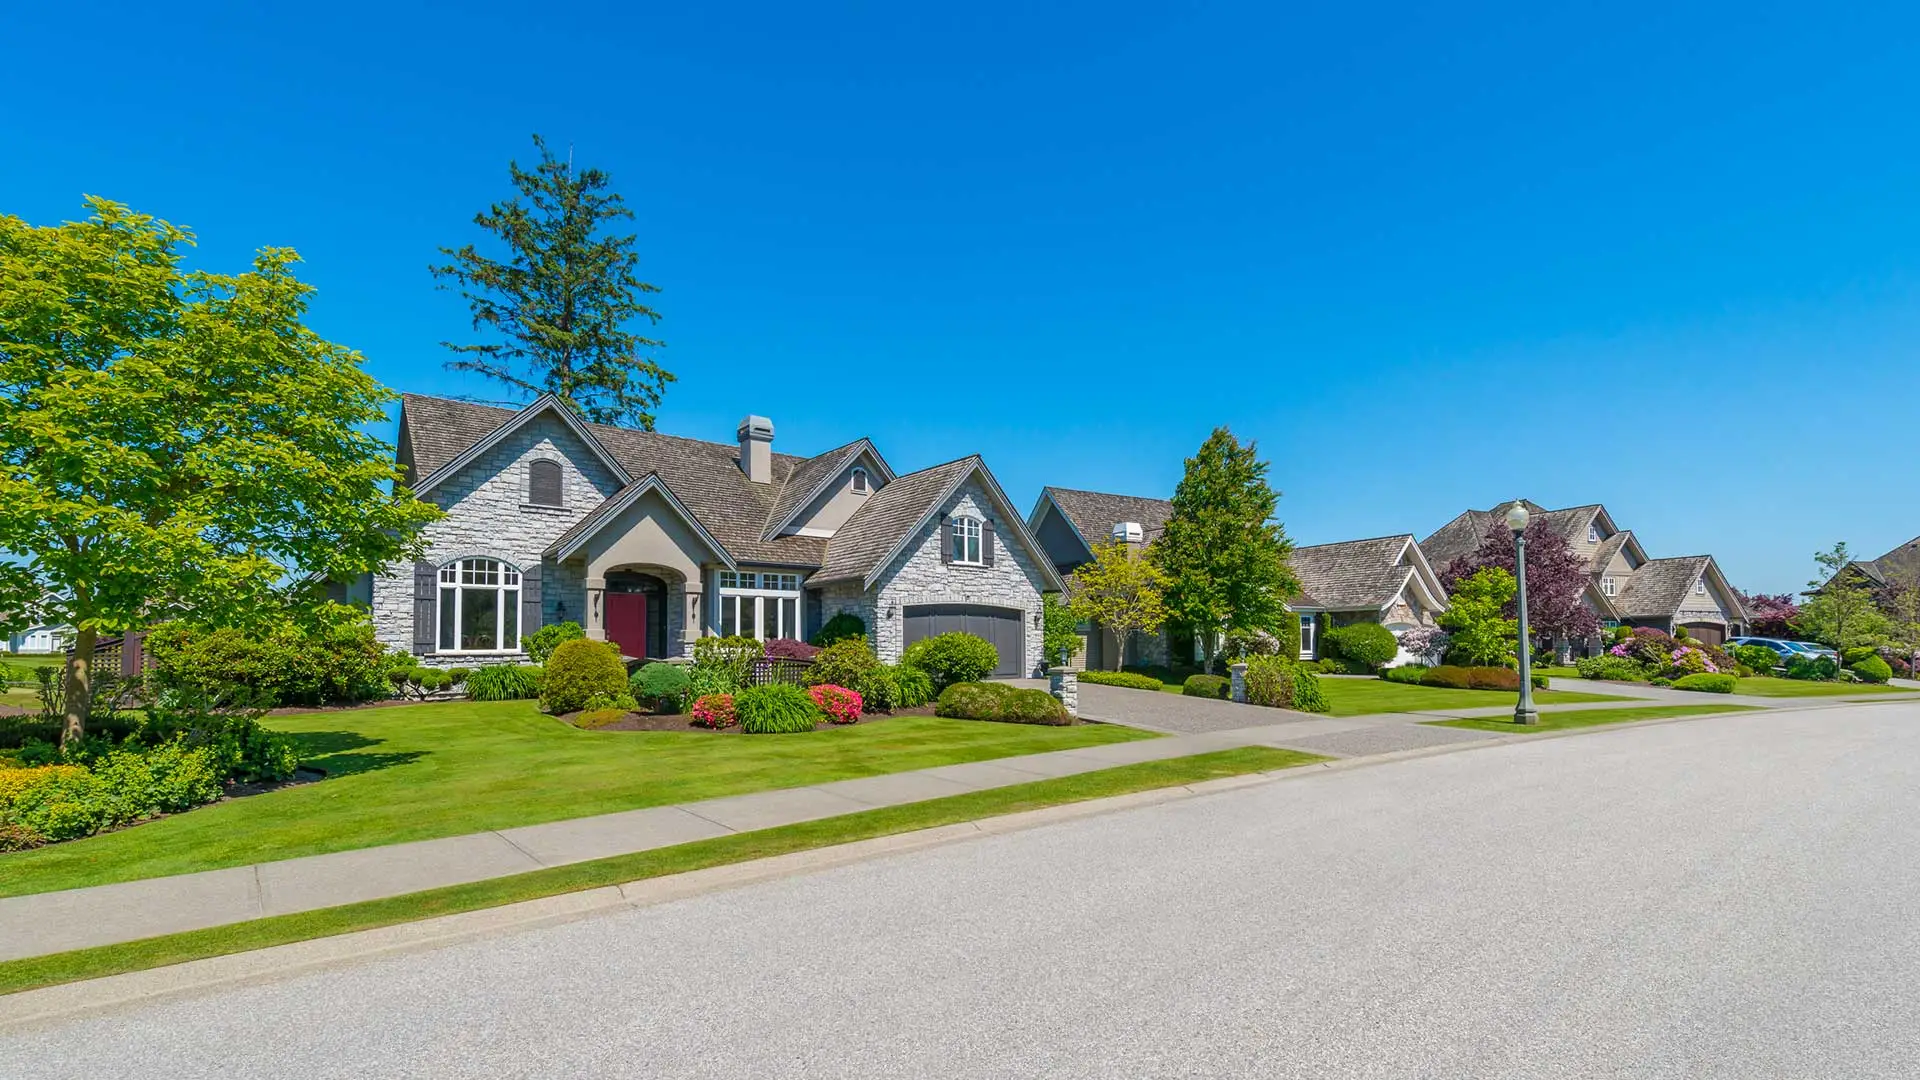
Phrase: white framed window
x=1593 y=534
x=1699 y=587
x=1606 y=586
x=479 y=606
x=1306 y=637
x=860 y=481
x=758 y=605
x=965 y=538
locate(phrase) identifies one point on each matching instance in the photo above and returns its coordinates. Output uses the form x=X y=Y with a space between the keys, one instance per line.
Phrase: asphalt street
x=1736 y=897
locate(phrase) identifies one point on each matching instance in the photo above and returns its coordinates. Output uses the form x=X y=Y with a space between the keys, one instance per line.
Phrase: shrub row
x=1000 y=702
x=1478 y=678
x=1706 y=682
x=1121 y=678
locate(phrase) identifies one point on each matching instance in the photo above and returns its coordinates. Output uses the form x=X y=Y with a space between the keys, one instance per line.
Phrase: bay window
x=762 y=605
x=479 y=606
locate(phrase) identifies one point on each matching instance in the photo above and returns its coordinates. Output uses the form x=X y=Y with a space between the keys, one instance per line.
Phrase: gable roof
x=1895 y=564
x=1659 y=587
x=570 y=541
x=810 y=478
x=1093 y=514
x=445 y=435
x=1464 y=533
x=1362 y=575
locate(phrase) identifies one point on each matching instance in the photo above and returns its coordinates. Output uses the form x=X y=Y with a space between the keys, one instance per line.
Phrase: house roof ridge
x=597 y=426
x=1357 y=540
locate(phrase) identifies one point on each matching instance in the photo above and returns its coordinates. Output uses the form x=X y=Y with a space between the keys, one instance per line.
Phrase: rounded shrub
x=848 y=662
x=714 y=711
x=841 y=626
x=999 y=702
x=1872 y=669
x=952 y=658
x=1706 y=682
x=1270 y=681
x=541 y=643
x=1662 y=681
x=1758 y=657
x=775 y=709
x=1306 y=693
x=1365 y=643
x=576 y=671
x=1451 y=676
x=841 y=705
x=504 y=682
x=896 y=686
x=662 y=686
x=1208 y=686
x=1614 y=668
x=1493 y=678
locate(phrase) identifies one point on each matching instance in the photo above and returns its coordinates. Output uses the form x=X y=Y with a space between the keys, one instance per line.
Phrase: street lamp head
x=1517 y=517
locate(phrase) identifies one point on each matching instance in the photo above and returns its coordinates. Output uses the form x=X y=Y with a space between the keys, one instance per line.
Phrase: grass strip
x=1561 y=721
x=38 y=971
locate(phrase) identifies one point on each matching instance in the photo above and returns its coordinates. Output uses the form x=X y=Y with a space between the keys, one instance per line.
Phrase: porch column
x=596 y=625
x=694 y=614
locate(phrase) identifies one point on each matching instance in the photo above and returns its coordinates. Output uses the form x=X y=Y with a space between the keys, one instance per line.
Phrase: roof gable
x=809 y=480
x=1093 y=514
x=1363 y=575
x=892 y=516
x=583 y=530
x=434 y=428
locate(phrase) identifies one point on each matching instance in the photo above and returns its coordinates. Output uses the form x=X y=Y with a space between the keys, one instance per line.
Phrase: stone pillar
x=1239 y=675
x=1065 y=686
x=596 y=621
x=694 y=617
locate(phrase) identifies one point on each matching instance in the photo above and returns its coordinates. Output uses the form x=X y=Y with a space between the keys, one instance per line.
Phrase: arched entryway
x=636 y=612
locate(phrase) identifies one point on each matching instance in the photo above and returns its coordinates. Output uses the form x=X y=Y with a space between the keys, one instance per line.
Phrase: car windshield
x=1805 y=646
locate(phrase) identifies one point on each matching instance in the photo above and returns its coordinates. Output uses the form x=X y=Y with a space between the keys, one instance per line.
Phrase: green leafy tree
x=1903 y=611
x=1840 y=610
x=1481 y=632
x=1121 y=591
x=1059 y=629
x=178 y=444
x=1224 y=554
x=564 y=299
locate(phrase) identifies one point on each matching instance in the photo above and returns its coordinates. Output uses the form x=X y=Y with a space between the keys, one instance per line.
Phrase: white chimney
x=1130 y=532
x=756 y=449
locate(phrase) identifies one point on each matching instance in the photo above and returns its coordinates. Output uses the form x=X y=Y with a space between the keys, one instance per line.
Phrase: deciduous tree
x=1120 y=590
x=564 y=299
x=178 y=444
x=1840 y=609
x=1477 y=619
x=1557 y=578
x=1771 y=615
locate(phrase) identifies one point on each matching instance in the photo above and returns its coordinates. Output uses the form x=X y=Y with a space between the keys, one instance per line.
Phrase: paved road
x=1726 y=898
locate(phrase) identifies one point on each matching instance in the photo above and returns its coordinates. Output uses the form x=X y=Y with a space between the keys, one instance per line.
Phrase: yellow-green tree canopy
x=1120 y=590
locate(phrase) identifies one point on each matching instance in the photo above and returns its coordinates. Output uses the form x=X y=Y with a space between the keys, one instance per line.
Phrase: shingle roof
x=1464 y=533
x=809 y=479
x=1351 y=575
x=1608 y=548
x=1658 y=588
x=1902 y=560
x=1095 y=513
x=858 y=545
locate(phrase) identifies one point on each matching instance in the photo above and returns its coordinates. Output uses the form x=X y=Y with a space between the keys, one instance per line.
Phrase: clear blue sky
x=1664 y=260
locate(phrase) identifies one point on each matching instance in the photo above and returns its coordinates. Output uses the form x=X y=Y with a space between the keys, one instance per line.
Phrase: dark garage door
x=1711 y=633
x=1002 y=626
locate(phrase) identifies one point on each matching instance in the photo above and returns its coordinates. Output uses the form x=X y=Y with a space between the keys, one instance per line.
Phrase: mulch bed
x=682 y=722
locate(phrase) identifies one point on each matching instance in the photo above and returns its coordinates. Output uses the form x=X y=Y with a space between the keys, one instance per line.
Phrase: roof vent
x=1130 y=532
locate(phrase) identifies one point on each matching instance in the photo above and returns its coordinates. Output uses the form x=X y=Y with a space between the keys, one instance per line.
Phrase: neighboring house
x=1068 y=524
x=652 y=541
x=1387 y=580
x=1899 y=568
x=40 y=639
x=1624 y=587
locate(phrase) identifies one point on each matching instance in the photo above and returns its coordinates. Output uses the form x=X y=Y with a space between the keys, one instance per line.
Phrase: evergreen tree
x=563 y=300
x=1224 y=555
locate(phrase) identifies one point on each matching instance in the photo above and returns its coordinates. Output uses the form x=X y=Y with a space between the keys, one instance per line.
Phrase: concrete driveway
x=1700 y=900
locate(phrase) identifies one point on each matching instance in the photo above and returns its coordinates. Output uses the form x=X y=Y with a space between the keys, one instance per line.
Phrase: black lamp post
x=1523 y=713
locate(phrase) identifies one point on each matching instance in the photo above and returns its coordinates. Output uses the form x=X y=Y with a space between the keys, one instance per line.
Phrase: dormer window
x=1593 y=534
x=544 y=486
x=1606 y=586
x=860 y=482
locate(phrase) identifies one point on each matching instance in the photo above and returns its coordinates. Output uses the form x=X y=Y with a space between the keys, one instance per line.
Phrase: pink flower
x=841 y=705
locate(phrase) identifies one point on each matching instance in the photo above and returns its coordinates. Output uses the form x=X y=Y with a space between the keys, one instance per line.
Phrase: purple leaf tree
x=1770 y=614
x=1556 y=578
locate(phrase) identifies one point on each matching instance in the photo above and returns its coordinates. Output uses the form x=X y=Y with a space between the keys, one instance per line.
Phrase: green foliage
x=1059 y=634
x=1872 y=669
x=593 y=718
x=841 y=626
x=1481 y=633
x=1307 y=696
x=1119 y=591
x=775 y=709
x=239 y=747
x=1368 y=644
x=1000 y=702
x=1411 y=674
x=1120 y=678
x=601 y=701
x=541 y=643
x=333 y=660
x=576 y=671
x=724 y=665
x=180 y=445
x=1493 y=678
x=1812 y=668
x=887 y=687
x=1661 y=681
x=848 y=662
x=952 y=658
x=1208 y=686
x=1620 y=668
x=1706 y=682
x=1270 y=681
x=1340 y=665
x=1451 y=676
x=1857 y=653
x=662 y=686
x=1223 y=553
x=504 y=682
x=1758 y=657
x=563 y=301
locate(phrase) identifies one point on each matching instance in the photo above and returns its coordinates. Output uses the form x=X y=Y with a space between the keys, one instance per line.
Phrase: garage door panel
x=1003 y=627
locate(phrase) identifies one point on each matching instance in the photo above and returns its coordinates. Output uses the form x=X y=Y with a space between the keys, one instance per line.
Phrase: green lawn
x=422 y=771
x=21 y=667
x=1560 y=721
x=1557 y=672
x=1358 y=697
x=1776 y=687
x=17 y=975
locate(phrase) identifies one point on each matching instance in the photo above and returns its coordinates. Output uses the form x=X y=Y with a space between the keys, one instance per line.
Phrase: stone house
x=652 y=541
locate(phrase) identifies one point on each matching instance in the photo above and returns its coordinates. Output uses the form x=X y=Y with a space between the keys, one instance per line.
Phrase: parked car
x=1814 y=648
x=1782 y=649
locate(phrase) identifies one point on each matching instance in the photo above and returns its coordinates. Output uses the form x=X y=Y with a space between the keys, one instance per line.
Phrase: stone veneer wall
x=488 y=515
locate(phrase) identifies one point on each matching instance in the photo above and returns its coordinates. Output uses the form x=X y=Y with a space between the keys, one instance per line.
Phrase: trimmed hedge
x=1121 y=678
x=1405 y=673
x=848 y=662
x=1208 y=686
x=1812 y=668
x=1368 y=644
x=1872 y=669
x=1455 y=677
x=954 y=657
x=578 y=670
x=1000 y=702
x=1620 y=668
x=1706 y=682
x=776 y=709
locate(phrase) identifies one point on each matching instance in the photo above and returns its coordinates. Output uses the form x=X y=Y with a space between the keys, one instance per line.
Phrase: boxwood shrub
x=662 y=686
x=1120 y=678
x=950 y=658
x=1405 y=673
x=1706 y=682
x=576 y=671
x=1208 y=686
x=1872 y=669
x=775 y=709
x=1367 y=644
x=999 y=702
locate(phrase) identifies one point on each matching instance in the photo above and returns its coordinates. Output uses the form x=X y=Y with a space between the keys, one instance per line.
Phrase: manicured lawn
x=1560 y=721
x=20 y=667
x=1771 y=687
x=20 y=975
x=1558 y=672
x=1358 y=697
x=422 y=771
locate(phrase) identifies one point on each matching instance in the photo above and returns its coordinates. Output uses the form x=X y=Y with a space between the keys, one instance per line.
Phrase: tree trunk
x=79 y=692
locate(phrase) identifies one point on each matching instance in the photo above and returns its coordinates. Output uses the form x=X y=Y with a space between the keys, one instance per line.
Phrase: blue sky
x=1666 y=259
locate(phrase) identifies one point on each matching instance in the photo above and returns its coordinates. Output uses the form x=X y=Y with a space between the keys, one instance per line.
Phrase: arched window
x=479 y=606
x=543 y=484
x=859 y=481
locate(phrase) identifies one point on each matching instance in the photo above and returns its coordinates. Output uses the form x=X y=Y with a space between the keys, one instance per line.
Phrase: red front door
x=627 y=622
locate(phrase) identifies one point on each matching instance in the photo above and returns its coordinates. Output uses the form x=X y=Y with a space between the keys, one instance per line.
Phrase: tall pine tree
x=563 y=301
x=1224 y=554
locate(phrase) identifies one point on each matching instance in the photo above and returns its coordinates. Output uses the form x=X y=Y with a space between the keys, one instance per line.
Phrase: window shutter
x=529 y=600
x=986 y=542
x=426 y=585
x=543 y=483
x=946 y=539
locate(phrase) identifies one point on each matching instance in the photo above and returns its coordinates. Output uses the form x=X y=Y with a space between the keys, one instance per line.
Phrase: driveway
x=1700 y=900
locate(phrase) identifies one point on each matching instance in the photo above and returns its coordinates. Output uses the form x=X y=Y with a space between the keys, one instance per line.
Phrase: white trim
x=820 y=534
x=613 y=507
x=510 y=584
x=513 y=424
x=1609 y=588
x=859 y=446
x=967 y=523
